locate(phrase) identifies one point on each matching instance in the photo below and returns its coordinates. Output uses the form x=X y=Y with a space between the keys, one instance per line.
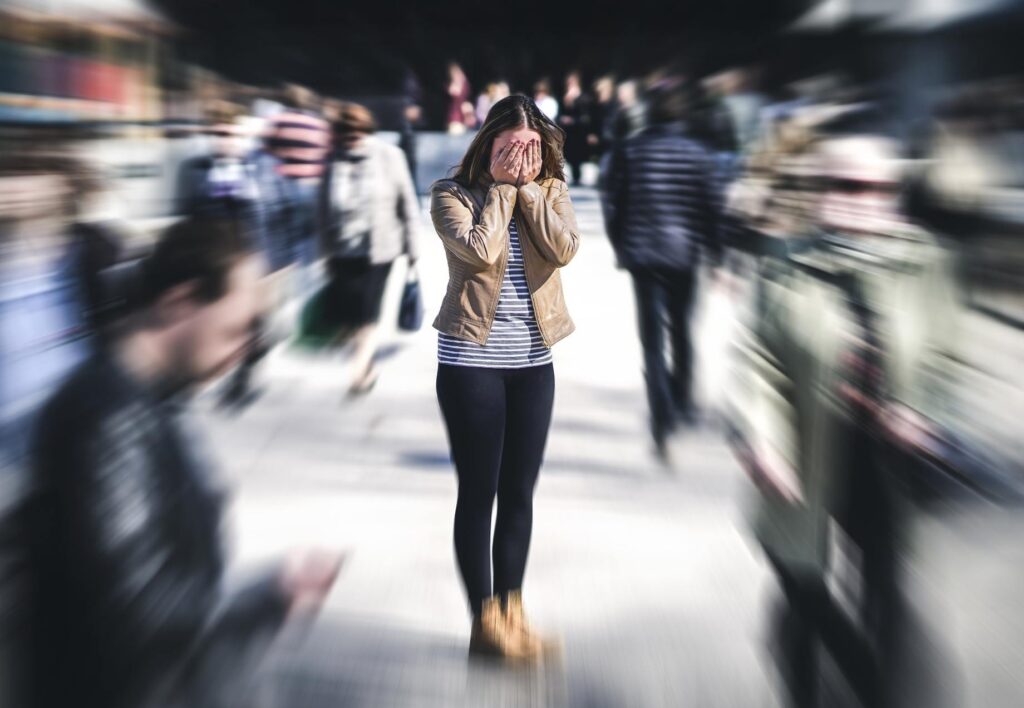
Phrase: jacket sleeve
x=408 y=204
x=186 y=188
x=166 y=602
x=712 y=188
x=479 y=244
x=553 y=227
x=763 y=406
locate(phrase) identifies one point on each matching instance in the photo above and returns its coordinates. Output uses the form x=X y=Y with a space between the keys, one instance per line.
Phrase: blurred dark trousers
x=497 y=422
x=812 y=622
x=664 y=301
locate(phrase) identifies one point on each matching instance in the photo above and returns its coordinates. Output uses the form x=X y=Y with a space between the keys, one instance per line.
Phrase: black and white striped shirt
x=514 y=341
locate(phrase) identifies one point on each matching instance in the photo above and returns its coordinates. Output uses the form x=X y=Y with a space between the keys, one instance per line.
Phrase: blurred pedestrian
x=575 y=121
x=221 y=182
x=485 y=100
x=847 y=369
x=128 y=605
x=412 y=118
x=369 y=213
x=290 y=170
x=300 y=138
x=547 y=103
x=459 y=93
x=661 y=215
x=101 y=253
x=48 y=325
x=602 y=108
x=233 y=182
x=507 y=226
x=630 y=112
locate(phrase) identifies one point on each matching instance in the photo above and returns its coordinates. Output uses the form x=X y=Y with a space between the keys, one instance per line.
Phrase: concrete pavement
x=644 y=573
x=647 y=574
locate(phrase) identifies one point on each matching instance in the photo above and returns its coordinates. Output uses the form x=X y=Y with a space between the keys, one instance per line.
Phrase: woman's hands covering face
x=530 y=168
x=507 y=164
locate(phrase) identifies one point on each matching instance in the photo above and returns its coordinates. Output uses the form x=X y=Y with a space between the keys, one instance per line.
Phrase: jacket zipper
x=497 y=295
x=540 y=328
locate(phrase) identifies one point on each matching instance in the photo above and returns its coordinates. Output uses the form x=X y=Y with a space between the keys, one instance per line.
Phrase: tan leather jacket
x=473 y=225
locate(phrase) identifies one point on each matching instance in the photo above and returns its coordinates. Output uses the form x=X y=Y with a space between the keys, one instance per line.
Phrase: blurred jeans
x=664 y=302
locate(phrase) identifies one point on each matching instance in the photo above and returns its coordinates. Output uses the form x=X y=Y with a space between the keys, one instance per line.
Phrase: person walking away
x=661 y=216
x=508 y=227
x=128 y=607
x=369 y=212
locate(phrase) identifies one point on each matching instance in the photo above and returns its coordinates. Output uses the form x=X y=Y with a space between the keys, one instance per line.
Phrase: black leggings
x=498 y=422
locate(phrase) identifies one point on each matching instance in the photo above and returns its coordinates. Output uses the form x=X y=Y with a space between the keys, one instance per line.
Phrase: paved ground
x=645 y=573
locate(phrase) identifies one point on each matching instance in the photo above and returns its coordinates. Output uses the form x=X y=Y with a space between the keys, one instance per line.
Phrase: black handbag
x=410 y=312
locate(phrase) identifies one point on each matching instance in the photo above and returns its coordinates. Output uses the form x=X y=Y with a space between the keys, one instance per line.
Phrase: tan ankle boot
x=491 y=636
x=518 y=626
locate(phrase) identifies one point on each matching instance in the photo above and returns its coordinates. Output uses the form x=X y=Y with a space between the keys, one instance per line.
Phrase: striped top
x=301 y=141
x=514 y=341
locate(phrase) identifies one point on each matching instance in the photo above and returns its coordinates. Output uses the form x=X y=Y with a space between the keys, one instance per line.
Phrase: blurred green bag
x=315 y=330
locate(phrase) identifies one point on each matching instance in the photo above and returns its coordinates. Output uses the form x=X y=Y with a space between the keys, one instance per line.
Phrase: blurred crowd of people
x=113 y=564
x=874 y=277
x=585 y=115
x=877 y=278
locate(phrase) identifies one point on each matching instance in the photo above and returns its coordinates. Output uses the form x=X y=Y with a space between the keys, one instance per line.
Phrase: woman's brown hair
x=511 y=113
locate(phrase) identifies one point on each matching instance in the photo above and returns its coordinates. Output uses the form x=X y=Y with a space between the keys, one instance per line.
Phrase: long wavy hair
x=511 y=113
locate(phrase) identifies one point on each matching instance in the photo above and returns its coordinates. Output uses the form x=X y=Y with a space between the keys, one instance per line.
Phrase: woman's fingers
x=499 y=158
x=516 y=158
x=517 y=153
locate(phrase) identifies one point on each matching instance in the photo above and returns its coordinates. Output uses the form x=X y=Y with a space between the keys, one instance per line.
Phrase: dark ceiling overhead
x=341 y=46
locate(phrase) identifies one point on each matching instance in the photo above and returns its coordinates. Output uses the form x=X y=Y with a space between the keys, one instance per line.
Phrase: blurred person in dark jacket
x=599 y=125
x=575 y=121
x=412 y=120
x=369 y=215
x=128 y=604
x=44 y=334
x=661 y=215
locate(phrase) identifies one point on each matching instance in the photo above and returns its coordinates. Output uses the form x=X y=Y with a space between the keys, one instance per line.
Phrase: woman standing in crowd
x=507 y=226
x=368 y=217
